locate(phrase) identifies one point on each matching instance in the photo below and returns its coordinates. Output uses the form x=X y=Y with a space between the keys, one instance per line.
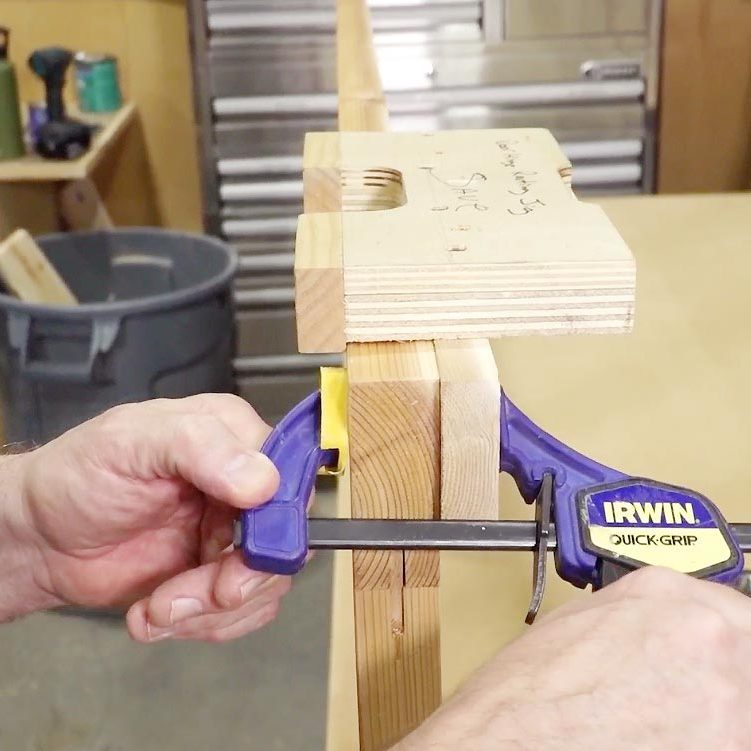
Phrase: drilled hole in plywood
x=373 y=189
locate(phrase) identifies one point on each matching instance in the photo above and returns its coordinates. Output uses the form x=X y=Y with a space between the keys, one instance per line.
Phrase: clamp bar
x=421 y=534
x=403 y=534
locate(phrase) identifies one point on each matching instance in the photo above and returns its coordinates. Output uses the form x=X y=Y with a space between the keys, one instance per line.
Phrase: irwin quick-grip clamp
x=599 y=522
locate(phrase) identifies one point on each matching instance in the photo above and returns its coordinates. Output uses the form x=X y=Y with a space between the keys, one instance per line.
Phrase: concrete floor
x=71 y=683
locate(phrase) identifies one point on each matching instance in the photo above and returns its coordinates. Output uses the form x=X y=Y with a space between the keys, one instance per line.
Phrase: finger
x=190 y=594
x=241 y=628
x=272 y=591
x=201 y=449
x=143 y=629
x=235 y=583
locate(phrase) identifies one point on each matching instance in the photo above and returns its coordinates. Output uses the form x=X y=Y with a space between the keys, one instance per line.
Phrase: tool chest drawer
x=265 y=75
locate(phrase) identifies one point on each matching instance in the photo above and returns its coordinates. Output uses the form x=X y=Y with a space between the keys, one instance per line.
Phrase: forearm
x=483 y=715
x=22 y=570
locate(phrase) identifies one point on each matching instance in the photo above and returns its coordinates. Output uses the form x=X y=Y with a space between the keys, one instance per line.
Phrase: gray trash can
x=156 y=320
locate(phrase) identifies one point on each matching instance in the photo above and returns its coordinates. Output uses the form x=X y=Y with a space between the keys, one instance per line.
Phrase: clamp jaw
x=274 y=537
x=605 y=522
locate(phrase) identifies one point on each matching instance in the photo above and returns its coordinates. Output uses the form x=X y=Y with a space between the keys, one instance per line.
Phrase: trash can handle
x=103 y=334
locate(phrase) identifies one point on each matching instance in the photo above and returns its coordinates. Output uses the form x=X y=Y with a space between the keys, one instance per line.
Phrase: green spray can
x=98 y=83
x=11 y=133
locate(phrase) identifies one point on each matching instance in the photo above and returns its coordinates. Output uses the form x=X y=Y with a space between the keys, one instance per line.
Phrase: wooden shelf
x=33 y=168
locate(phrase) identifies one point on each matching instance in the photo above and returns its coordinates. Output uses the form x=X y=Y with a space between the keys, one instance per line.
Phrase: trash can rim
x=119 y=309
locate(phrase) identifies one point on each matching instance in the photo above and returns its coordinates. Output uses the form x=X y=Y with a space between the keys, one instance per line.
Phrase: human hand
x=137 y=506
x=656 y=661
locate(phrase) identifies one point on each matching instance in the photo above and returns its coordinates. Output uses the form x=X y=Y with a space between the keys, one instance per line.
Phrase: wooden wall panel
x=705 y=111
x=153 y=178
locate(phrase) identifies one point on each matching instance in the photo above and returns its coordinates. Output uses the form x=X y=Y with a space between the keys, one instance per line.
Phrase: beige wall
x=152 y=178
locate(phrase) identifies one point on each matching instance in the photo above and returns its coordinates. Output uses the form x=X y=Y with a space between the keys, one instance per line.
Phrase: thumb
x=203 y=450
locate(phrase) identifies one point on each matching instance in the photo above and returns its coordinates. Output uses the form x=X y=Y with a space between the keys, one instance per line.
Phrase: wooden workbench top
x=33 y=168
x=671 y=401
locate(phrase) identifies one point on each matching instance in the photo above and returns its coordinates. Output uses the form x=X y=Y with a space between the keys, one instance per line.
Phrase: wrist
x=22 y=567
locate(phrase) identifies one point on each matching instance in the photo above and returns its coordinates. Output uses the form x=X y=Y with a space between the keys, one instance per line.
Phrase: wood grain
x=470 y=429
x=394 y=428
x=27 y=273
x=361 y=102
x=394 y=431
x=319 y=283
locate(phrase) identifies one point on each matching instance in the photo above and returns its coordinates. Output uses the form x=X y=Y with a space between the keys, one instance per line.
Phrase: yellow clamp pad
x=334 y=416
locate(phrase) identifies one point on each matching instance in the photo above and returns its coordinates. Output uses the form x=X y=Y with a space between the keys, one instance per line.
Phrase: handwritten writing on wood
x=518 y=191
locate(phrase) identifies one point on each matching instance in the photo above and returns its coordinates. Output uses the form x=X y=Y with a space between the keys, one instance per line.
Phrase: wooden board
x=470 y=429
x=32 y=206
x=81 y=206
x=634 y=402
x=705 y=106
x=27 y=273
x=394 y=434
x=361 y=102
x=491 y=240
x=394 y=414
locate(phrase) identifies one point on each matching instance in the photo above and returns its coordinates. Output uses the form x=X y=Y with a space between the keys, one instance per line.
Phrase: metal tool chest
x=265 y=74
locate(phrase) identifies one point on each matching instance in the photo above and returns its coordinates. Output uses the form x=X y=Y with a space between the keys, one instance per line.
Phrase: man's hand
x=136 y=506
x=657 y=662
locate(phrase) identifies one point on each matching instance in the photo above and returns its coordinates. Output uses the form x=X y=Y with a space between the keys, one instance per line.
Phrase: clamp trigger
x=543 y=508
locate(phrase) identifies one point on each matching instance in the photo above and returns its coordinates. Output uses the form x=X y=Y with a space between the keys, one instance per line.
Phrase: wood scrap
x=27 y=273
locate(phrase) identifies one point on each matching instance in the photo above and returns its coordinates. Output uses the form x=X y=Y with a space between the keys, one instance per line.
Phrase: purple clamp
x=527 y=453
x=580 y=485
x=274 y=537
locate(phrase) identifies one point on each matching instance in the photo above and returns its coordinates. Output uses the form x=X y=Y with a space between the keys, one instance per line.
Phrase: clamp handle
x=274 y=537
x=584 y=494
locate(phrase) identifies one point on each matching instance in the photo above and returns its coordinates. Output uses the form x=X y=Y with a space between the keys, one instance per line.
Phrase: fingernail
x=183 y=608
x=250 y=586
x=245 y=471
x=154 y=634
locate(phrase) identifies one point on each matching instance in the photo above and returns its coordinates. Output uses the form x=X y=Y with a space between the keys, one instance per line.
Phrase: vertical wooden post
x=395 y=438
x=396 y=451
x=394 y=433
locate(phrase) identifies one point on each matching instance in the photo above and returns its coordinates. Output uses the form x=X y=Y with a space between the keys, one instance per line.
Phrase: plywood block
x=469 y=234
x=27 y=273
x=470 y=429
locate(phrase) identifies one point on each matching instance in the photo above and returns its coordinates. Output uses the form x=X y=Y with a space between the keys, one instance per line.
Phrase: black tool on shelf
x=61 y=137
